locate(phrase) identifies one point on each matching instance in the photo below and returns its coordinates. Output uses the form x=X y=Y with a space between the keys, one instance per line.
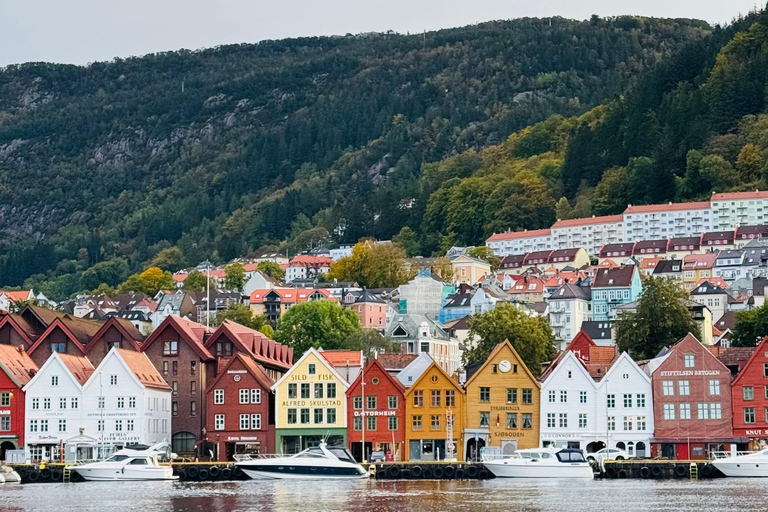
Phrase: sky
x=83 y=31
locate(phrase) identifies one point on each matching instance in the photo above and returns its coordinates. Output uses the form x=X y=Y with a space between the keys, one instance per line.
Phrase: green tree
x=170 y=258
x=234 y=276
x=750 y=327
x=150 y=282
x=530 y=335
x=319 y=323
x=408 y=241
x=134 y=284
x=485 y=253
x=370 y=341
x=563 y=209
x=660 y=320
x=241 y=314
x=749 y=163
x=271 y=269
x=104 y=289
x=373 y=265
x=195 y=281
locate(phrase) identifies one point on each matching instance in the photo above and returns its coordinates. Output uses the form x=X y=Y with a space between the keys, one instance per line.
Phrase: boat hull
x=743 y=468
x=534 y=470
x=110 y=475
x=274 y=472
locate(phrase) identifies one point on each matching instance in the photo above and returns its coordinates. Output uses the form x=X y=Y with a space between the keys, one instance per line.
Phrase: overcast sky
x=82 y=31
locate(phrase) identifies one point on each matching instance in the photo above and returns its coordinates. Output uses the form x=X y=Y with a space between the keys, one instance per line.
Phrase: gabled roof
x=192 y=332
x=595 y=359
x=568 y=254
x=395 y=361
x=714 y=281
x=734 y=357
x=685 y=241
x=21 y=326
x=650 y=247
x=759 y=350
x=250 y=365
x=727 y=196
x=687 y=340
x=77 y=330
x=694 y=261
x=458 y=300
x=571 y=291
x=624 y=249
x=79 y=366
x=727 y=321
x=584 y=221
x=513 y=260
x=342 y=357
x=44 y=315
x=322 y=360
x=625 y=357
x=18 y=295
x=17 y=364
x=142 y=368
x=707 y=288
x=561 y=358
x=254 y=343
x=713 y=236
x=536 y=256
x=306 y=260
x=375 y=363
x=750 y=232
x=425 y=372
x=512 y=235
x=668 y=266
x=125 y=327
x=498 y=348
x=650 y=262
x=730 y=254
x=610 y=277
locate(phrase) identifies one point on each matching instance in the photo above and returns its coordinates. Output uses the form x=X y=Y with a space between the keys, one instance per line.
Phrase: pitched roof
x=713 y=236
x=684 y=241
x=254 y=343
x=17 y=364
x=126 y=328
x=17 y=295
x=597 y=329
x=342 y=357
x=705 y=260
x=648 y=208
x=498 y=348
x=45 y=315
x=707 y=288
x=650 y=247
x=193 y=333
x=536 y=256
x=79 y=331
x=650 y=262
x=568 y=254
x=727 y=196
x=750 y=232
x=142 y=368
x=458 y=300
x=395 y=361
x=714 y=281
x=513 y=260
x=306 y=260
x=251 y=367
x=426 y=371
x=625 y=249
x=584 y=221
x=727 y=321
x=736 y=357
x=79 y=366
x=668 y=266
x=571 y=291
x=513 y=235
x=376 y=363
x=608 y=277
x=323 y=361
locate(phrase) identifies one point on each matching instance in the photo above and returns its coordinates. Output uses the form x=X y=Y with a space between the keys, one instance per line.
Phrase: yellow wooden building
x=434 y=404
x=502 y=404
x=310 y=405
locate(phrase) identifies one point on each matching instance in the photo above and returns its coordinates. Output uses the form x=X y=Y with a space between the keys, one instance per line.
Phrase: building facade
x=749 y=392
x=662 y=221
x=591 y=233
x=17 y=370
x=520 y=242
x=310 y=405
x=613 y=287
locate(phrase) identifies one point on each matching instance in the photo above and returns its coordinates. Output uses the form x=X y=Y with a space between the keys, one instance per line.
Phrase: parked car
x=377 y=457
x=608 y=454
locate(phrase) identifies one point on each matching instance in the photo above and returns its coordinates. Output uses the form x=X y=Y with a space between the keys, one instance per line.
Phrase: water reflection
x=430 y=496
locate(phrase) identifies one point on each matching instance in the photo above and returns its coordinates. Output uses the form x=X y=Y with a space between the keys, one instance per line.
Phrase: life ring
x=202 y=475
x=45 y=474
x=214 y=472
x=610 y=472
x=438 y=473
x=471 y=472
x=426 y=473
x=393 y=472
x=55 y=475
x=645 y=472
x=182 y=475
x=192 y=472
x=681 y=471
x=484 y=474
x=656 y=471
x=450 y=471
x=460 y=473
x=33 y=476
x=226 y=474
x=416 y=472
x=707 y=470
x=622 y=473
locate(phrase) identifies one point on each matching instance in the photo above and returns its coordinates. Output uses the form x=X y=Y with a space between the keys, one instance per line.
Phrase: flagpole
x=362 y=379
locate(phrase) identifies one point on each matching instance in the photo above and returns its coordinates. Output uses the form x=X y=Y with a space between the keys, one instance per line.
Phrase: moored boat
x=542 y=463
x=316 y=463
x=746 y=465
x=138 y=463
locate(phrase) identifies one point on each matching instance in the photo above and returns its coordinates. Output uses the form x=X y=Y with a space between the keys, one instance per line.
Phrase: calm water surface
x=492 y=495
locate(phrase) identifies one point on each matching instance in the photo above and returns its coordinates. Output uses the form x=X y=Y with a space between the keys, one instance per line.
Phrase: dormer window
x=224 y=348
x=60 y=347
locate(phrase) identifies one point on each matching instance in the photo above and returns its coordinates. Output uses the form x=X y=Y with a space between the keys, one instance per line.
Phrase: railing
x=240 y=457
x=724 y=455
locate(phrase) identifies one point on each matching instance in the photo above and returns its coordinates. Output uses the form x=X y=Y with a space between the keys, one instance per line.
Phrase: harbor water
x=369 y=495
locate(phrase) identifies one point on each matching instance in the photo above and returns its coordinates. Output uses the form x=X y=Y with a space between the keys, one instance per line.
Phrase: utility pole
x=362 y=380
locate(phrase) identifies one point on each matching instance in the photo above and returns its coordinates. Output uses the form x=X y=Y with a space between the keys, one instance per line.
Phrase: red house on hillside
x=378 y=416
x=240 y=406
x=750 y=399
x=17 y=370
x=691 y=403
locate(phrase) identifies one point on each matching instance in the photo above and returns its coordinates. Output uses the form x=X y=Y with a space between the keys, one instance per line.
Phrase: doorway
x=473 y=448
x=7 y=445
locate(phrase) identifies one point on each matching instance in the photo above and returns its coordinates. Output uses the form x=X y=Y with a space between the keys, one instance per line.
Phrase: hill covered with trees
x=185 y=155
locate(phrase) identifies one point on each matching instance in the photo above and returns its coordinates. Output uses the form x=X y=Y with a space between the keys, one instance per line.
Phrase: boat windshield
x=570 y=456
x=342 y=454
x=315 y=451
x=116 y=458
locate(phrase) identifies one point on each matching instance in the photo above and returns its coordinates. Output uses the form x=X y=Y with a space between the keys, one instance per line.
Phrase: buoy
x=645 y=472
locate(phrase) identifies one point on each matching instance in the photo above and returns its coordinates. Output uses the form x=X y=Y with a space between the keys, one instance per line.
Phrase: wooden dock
x=430 y=471
x=658 y=469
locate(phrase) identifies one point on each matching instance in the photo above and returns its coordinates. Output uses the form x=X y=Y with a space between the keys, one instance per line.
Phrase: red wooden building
x=240 y=406
x=691 y=403
x=17 y=370
x=378 y=415
x=750 y=399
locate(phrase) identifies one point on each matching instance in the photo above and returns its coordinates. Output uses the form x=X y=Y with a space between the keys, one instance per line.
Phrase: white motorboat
x=135 y=463
x=746 y=465
x=541 y=463
x=317 y=462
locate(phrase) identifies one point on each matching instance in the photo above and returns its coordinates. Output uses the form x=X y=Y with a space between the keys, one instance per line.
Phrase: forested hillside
x=694 y=124
x=223 y=151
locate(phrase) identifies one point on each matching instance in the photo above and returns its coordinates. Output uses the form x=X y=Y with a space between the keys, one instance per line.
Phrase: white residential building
x=591 y=233
x=520 y=242
x=734 y=209
x=123 y=401
x=423 y=295
x=579 y=412
x=569 y=307
x=664 y=221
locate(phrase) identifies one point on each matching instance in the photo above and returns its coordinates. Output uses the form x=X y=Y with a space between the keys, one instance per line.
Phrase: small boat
x=136 y=463
x=746 y=465
x=541 y=463
x=7 y=474
x=315 y=463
